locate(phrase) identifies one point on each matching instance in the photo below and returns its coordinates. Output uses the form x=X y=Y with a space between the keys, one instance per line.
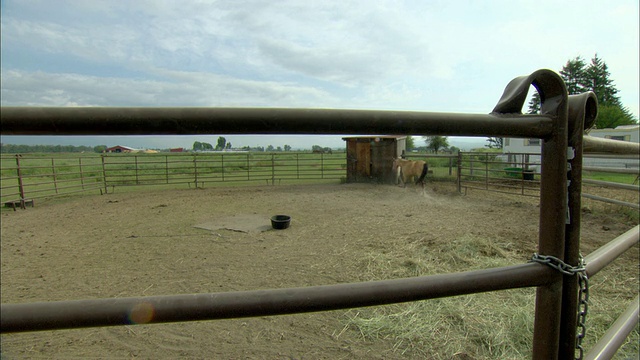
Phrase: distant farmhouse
x=121 y=149
x=126 y=149
x=513 y=148
x=533 y=146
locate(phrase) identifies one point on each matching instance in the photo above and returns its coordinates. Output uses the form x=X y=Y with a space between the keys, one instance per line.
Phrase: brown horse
x=408 y=169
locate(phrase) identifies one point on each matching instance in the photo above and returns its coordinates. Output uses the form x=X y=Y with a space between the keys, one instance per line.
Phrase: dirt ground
x=143 y=243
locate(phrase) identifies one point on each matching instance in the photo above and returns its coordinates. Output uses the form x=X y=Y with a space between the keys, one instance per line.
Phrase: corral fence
x=28 y=177
x=557 y=270
x=519 y=173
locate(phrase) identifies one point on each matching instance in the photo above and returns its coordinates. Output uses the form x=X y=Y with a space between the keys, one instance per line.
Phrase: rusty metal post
x=582 y=110
x=104 y=174
x=55 y=177
x=553 y=197
x=20 y=182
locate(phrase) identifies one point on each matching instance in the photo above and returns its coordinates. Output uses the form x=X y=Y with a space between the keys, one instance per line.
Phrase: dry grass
x=496 y=325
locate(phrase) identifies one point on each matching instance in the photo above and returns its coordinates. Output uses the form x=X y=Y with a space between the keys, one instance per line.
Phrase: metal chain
x=583 y=306
x=583 y=296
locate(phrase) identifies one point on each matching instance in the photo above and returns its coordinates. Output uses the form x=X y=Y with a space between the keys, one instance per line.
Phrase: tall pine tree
x=595 y=77
x=575 y=76
x=599 y=81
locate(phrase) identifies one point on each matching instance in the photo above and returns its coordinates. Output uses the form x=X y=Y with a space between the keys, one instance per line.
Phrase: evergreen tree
x=595 y=77
x=495 y=142
x=574 y=75
x=599 y=81
x=612 y=116
x=534 y=104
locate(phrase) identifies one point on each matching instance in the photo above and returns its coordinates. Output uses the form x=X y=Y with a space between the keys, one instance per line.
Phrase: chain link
x=583 y=296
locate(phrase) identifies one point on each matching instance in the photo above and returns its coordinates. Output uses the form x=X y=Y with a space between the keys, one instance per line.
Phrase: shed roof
x=397 y=137
x=122 y=147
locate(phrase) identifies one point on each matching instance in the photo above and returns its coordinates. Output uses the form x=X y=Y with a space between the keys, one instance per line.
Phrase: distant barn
x=121 y=149
x=176 y=150
x=369 y=158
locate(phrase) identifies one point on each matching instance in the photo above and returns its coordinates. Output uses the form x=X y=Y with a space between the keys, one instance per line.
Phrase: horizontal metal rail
x=606 y=254
x=613 y=339
x=612 y=184
x=192 y=121
x=594 y=144
x=611 y=201
x=611 y=170
x=173 y=308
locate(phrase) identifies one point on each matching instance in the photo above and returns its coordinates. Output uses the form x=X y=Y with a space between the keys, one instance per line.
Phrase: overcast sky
x=442 y=56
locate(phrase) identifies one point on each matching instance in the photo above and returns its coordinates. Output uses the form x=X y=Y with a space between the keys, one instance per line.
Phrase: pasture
x=145 y=243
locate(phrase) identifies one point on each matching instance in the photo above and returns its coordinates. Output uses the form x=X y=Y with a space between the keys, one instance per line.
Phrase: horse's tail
x=425 y=170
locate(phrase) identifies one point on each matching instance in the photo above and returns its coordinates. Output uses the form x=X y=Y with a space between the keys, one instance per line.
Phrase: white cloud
x=434 y=56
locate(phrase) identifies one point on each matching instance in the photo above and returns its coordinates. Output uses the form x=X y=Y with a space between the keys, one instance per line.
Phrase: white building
x=513 y=147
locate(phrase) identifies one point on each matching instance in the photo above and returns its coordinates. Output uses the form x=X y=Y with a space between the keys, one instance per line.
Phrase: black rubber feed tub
x=280 y=222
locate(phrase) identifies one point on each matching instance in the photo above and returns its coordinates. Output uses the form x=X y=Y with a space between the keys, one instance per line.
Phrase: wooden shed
x=370 y=158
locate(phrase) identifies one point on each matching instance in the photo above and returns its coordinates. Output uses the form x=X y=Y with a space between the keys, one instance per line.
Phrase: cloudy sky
x=442 y=56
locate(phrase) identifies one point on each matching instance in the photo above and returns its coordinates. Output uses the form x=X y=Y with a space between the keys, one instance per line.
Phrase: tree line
x=25 y=149
x=222 y=144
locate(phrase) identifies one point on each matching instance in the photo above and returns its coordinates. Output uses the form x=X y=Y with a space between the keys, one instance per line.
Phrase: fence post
x=166 y=168
x=195 y=168
x=553 y=211
x=20 y=183
x=135 y=158
x=248 y=168
x=273 y=169
x=553 y=197
x=104 y=173
x=486 y=172
x=222 y=165
x=582 y=110
x=55 y=177
x=459 y=172
x=81 y=174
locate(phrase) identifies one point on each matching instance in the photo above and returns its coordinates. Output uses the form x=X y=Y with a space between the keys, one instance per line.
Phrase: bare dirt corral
x=144 y=243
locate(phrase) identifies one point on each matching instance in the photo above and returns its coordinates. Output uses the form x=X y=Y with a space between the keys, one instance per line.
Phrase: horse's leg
x=423 y=177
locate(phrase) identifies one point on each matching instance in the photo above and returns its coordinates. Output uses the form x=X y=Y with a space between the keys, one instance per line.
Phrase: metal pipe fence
x=499 y=173
x=560 y=128
x=29 y=177
x=492 y=171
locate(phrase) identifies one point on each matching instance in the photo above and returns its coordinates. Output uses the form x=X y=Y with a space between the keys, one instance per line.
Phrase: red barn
x=121 y=149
